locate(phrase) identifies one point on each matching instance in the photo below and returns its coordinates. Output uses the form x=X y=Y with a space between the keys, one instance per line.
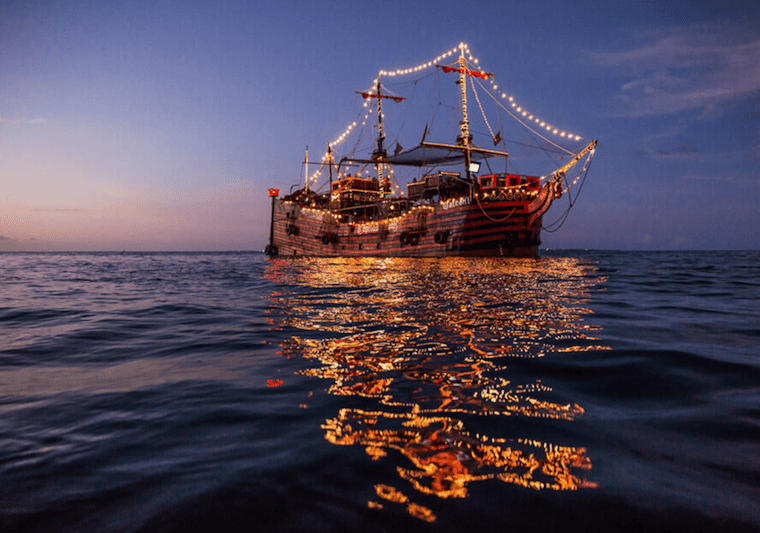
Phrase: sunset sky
x=159 y=125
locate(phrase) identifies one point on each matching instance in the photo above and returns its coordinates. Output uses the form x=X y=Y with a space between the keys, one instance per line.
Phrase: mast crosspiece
x=469 y=72
x=366 y=95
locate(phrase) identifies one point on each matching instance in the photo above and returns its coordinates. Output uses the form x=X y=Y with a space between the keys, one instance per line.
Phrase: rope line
x=482 y=113
x=563 y=217
x=565 y=150
x=491 y=218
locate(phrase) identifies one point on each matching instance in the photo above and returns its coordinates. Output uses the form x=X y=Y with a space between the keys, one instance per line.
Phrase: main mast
x=465 y=125
x=380 y=154
x=306 y=171
x=464 y=136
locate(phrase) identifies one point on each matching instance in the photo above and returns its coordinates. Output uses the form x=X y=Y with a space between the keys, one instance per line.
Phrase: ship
x=457 y=200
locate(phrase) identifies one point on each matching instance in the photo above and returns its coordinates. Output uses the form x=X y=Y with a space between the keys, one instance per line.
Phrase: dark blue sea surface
x=581 y=391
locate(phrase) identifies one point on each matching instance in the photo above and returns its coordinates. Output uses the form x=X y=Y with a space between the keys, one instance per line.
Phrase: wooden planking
x=470 y=232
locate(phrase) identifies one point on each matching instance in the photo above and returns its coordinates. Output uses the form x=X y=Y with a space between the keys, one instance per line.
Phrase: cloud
x=679 y=152
x=692 y=153
x=696 y=67
x=22 y=121
x=45 y=209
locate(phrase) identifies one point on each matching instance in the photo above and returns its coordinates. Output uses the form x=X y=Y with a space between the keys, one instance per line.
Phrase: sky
x=160 y=125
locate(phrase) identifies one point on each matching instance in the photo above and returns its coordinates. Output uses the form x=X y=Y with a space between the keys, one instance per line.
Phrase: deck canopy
x=434 y=154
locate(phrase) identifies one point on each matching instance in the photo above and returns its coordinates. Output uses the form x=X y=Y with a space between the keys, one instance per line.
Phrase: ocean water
x=581 y=391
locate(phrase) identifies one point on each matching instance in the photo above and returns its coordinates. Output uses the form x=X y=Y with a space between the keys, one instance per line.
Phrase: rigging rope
x=523 y=123
x=483 y=113
x=563 y=217
x=490 y=217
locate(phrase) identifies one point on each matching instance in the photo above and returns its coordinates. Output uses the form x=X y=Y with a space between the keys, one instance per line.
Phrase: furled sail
x=428 y=154
x=422 y=155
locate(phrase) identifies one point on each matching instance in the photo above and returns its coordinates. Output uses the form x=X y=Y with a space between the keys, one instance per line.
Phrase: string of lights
x=560 y=221
x=541 y=123
x=420 y=67
x=342 y=137
x=516 y=110
x=583 y=170
x=527 y=126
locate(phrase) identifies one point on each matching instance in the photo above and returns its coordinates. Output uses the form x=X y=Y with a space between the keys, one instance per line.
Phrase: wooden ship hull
x=493 y=223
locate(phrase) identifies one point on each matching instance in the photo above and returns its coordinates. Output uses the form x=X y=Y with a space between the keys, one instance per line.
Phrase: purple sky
x=160 y=125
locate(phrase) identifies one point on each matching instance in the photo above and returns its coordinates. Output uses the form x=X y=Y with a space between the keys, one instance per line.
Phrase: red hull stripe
x=499 y=228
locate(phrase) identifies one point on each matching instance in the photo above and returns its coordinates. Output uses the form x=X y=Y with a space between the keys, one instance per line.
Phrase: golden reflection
x=447 y=457
x=392 y=495
x=435 y=345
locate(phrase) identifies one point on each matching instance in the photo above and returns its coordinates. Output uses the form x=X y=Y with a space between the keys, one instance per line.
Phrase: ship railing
x=356 y=184
x=509 y=181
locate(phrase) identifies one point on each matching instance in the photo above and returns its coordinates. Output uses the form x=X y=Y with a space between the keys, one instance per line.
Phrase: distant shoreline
x=4 y=250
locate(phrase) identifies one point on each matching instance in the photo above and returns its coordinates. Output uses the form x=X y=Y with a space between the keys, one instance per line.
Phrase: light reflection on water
x=429 y=343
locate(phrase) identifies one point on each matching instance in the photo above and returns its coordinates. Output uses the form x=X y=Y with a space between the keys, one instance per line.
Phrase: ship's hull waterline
x=461 y=227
